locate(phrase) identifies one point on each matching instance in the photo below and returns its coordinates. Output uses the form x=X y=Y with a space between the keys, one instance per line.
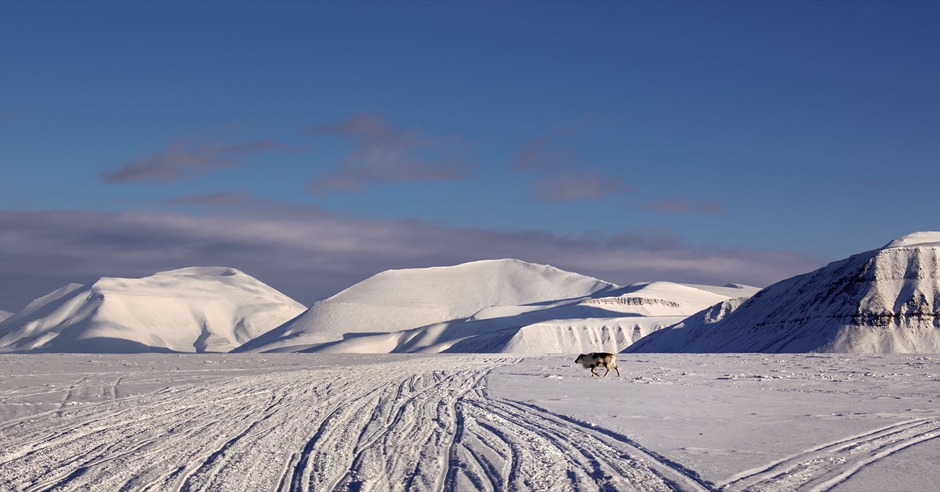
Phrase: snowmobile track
x=823 y=467
x=413 y=424
x=418 y=423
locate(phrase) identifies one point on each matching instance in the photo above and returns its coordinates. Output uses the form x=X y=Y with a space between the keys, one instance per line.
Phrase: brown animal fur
x=594 y=359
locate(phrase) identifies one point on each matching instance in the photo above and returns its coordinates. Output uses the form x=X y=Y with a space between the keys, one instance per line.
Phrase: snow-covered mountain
x=4 y=315
x=605 y=323
x=489 y=306
x=880 y=301
x=397 y=300
x=199 y=309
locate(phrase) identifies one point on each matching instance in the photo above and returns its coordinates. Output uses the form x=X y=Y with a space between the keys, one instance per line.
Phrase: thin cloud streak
x=559 y=176
x=310 y=254
x=184 y=160
x=539 y=155
x=220 y=199
x=574 y=186
x=684 y=206
x=382 y=154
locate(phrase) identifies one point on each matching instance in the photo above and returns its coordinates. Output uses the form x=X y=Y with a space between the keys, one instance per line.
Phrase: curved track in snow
x=417 y=424
x=823 y=467
x=387 y=423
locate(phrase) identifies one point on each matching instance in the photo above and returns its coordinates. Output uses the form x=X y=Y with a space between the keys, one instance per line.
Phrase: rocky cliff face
x=885 y=300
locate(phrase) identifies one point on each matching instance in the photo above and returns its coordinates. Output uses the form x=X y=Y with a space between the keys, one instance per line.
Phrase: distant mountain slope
x=673 y=338
x=397 y=300
x=885 y=300
x=4 y=315
x=199 y=309
x=578 y=313
x=630 y=313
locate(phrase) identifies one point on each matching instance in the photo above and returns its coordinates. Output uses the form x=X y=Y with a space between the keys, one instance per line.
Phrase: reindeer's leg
x=618 y=371
x=594 y=373
x=608 y=370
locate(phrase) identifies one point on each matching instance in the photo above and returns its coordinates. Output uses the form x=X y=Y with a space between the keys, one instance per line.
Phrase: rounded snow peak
x=203 y=271
x=925 y=238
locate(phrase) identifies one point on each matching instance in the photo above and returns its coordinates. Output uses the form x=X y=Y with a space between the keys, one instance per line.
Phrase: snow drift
x=199 y=309
x=880 y=301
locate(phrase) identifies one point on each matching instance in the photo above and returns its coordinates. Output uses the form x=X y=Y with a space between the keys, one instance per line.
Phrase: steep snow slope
x=200 y=309
x=885 y=300
x=398 y=300
x=674 y=337
x=604 y=321
x=4 y=315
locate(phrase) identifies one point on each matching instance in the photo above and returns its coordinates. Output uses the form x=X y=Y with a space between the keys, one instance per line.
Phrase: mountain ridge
x=397 y=300
x=568 y=312
x=883 y=300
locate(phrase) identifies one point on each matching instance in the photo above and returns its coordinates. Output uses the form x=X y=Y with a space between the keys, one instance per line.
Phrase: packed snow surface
x=880 y=301
x=301 y=422
x=199 y=309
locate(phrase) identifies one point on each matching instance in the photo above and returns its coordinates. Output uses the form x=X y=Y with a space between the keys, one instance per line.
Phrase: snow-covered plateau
x=302 y=422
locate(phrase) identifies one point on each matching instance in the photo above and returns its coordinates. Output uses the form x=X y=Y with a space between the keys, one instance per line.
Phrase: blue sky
x=315 y=144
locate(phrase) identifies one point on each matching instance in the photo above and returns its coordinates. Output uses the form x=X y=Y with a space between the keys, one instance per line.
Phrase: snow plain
x=468 y=422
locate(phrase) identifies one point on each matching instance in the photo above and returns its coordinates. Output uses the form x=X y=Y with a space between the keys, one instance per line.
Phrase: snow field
x=767 y=422
x=422 y=423
x=300 y=422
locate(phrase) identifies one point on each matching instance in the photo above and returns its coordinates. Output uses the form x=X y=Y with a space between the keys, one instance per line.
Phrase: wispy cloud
x=382 y=154
x=311 y=254
x=559 y=176
x=541 y=154
x=684 y=206
x=573 y=185
x=225 y=198
x=184 y=160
